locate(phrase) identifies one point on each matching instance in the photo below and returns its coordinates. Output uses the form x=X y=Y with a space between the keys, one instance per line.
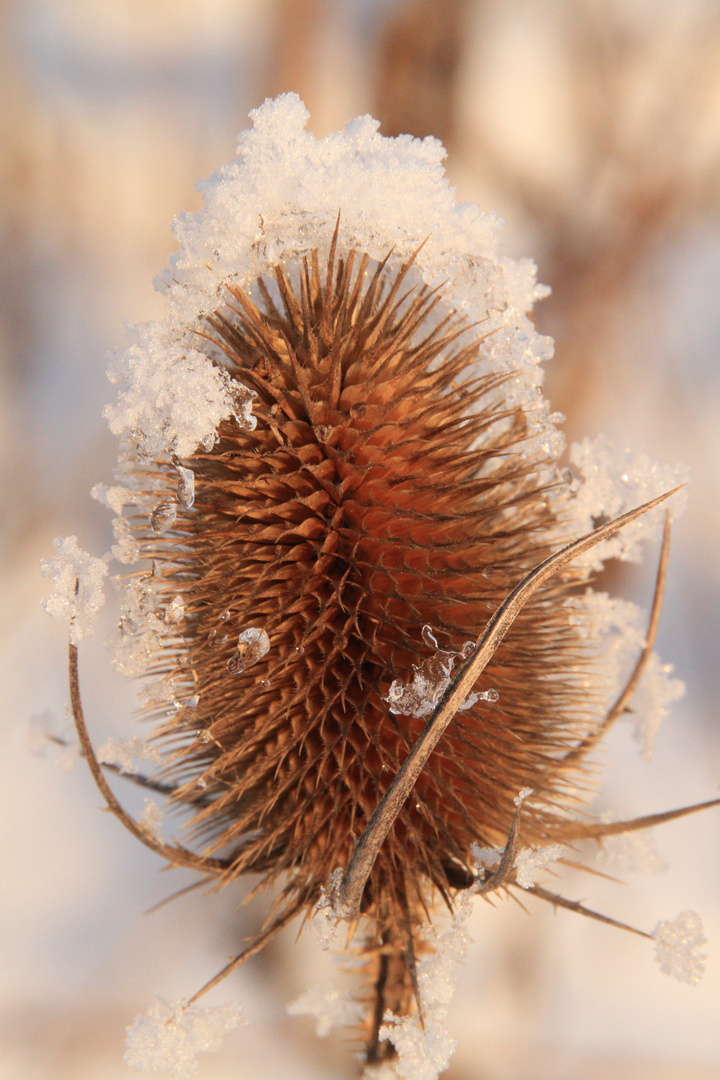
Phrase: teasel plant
x=360 y=599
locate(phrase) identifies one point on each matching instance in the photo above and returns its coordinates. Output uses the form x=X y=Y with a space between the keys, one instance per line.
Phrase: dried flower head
x=340 y=471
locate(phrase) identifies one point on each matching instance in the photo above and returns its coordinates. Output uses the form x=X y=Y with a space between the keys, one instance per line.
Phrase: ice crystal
x=78 y=580
x=326 y=917
x=151 y=819
x=173 y=1033
x=678 y=947
x=610 y=482
x=252 y=645
x=531 y=861
x=430 y=681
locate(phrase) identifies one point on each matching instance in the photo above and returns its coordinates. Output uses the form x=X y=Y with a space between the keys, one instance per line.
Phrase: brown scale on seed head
x=383 y=490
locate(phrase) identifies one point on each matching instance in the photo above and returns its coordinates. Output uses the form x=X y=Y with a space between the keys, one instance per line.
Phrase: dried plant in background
x=359 y=576
x=595 y=124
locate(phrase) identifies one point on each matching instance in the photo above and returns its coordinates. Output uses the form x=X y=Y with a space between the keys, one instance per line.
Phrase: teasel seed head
x=338 y=464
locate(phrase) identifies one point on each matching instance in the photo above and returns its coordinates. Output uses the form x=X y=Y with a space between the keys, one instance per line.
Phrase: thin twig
x=175 y=854
x=575 y=905
x=569 y=832
x=505 y=867
x=257 y=945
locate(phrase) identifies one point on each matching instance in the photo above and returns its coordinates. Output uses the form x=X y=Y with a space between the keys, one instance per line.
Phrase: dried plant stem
x=575 y=905
x=504 y=870
x=175 y=854
x=569 y=832
x=255 y=947
x=366 y=849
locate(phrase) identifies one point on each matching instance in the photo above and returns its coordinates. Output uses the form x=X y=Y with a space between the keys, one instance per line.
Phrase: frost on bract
x=78 y=580
x=173 y=1033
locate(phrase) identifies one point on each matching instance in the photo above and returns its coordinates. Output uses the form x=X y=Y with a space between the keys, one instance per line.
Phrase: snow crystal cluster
x=608 y=482
x=173 y=1033
x=679 y=947
x=78 y=581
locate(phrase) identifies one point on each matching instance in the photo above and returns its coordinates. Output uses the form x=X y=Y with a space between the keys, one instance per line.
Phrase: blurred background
x=593 y=128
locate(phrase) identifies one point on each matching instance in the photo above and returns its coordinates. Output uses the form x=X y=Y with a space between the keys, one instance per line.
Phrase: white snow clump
x=173 y=1033
x=172 y=397
x=78 y=580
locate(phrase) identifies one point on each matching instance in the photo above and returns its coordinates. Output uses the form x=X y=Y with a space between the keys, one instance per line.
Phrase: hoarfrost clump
x=613 y=481
x=678 y=947
x=78 y=580
x=114 y=497
x=331 y=1009
x=126 y=548
x=173 y=1033
x=617 y=626
x=121 y=752
x=485 y=859
x=531 y=861
x=632 y=853
x=151 y=819
x=171 y=398
x=325 y=917
x=656 y=692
